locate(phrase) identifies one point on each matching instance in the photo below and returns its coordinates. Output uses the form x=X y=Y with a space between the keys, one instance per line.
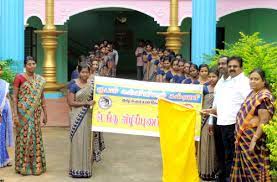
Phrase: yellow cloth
x=177 y=128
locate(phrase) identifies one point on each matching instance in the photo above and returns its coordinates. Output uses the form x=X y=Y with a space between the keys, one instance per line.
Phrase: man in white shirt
x=139 y=55
x=229 y=95
x=215 y=129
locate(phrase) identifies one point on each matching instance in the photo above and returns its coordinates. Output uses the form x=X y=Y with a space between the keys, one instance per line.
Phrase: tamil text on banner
x=177 y=142
x=131 y=107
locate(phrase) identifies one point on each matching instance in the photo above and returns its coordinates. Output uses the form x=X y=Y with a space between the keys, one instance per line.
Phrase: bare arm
x=116 y=58
x=264 y=117
x=43 y=103
x=15 y=101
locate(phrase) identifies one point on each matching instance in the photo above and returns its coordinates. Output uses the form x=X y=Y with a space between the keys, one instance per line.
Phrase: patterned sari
x=6 y=127
x=80 y=164
x=29 y=151
x=251 y=166
x=207 y=161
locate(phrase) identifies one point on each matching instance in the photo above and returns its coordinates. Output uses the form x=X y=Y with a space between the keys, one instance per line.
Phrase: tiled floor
x=57 y=112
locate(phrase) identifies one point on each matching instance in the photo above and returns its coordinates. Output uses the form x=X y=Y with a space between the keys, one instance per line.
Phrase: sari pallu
x=251 y=166
x=6 y=126
x=80 y=164
x=207 y=160
x=29 y=150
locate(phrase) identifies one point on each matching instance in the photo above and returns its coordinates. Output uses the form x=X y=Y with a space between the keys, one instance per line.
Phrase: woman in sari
x=174 y=69
x=98 y=138
x=163 y=68
x=6 y=124
x=194 y=75
x=203 y=74
x=80 y=99
x=251 y=160
x=146 y=53
x=207 y=154
x=94 y=69
x=153 y=61
x=28 y=104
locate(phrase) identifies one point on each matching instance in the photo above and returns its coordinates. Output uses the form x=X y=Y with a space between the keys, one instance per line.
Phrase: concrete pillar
x=203 y=29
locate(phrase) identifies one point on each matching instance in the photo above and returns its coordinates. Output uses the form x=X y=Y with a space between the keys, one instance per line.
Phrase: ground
x=126 y=158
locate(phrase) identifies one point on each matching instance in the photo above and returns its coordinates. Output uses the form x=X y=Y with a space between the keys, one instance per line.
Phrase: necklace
x=29 y=78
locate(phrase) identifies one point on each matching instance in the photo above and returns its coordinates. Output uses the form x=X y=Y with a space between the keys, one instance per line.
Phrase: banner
x=131 y=107
x=177 y=142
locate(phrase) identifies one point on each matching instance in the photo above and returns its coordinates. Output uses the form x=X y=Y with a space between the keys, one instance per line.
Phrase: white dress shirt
x=229 y=95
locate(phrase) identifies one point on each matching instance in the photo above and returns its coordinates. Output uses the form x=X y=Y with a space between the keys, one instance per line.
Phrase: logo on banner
x=105 y=102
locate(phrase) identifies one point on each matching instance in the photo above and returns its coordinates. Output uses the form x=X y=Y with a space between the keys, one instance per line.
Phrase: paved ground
x=127 y=158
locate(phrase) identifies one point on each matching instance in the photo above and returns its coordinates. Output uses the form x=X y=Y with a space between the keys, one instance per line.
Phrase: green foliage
x=8 y=74
x=257 y=53
x=271 y=132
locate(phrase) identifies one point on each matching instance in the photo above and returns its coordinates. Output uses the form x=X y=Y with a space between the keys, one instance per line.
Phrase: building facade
x=209 y=23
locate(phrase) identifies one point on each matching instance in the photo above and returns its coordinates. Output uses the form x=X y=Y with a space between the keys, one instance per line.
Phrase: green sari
x=29 y=151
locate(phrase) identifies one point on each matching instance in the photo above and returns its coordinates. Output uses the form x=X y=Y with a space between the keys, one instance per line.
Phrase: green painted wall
x=186 y=27
x=247 y=21
x=250 y=21
x=93 y=26
x=36 y=23
x=61 y=58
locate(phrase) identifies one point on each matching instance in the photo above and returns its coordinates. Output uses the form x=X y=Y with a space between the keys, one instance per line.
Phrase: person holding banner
x=80 y=100
x=229 y=95
x=207 y=154
x=98 y=138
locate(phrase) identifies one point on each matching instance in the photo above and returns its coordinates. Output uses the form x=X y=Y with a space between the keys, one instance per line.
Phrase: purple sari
x=6 y=126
